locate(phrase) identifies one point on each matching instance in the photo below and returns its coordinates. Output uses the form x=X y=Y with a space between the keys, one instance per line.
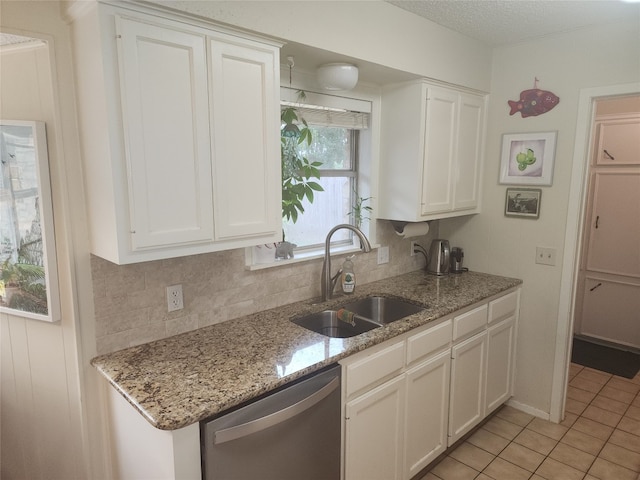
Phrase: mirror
x=28 y=273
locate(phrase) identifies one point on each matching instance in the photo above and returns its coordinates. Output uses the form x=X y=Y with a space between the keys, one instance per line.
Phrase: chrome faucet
x=329 y=282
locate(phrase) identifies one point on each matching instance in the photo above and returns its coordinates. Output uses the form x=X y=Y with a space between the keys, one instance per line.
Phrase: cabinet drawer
x=374 y=368
x=472 y=321
x=503 y=307
x=430 y=341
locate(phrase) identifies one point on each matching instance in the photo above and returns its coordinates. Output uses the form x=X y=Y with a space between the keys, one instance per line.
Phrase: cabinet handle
x=593 y=288
x=609 y=156
x=597 y=220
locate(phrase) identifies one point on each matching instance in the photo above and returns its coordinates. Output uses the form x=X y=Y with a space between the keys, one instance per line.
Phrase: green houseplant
x=360 y=211
x=297 y=171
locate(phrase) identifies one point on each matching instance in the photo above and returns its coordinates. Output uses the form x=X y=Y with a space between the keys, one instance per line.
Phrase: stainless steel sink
x=327 y=323
x=370 y=313
x=382 y=309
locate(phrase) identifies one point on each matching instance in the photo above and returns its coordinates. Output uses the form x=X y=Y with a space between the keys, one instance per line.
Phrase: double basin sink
x=357 y=317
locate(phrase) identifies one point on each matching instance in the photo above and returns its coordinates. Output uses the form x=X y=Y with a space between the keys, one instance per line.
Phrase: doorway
x=608 y=282
x=572 y=242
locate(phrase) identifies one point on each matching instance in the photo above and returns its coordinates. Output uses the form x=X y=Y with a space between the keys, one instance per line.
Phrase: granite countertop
x=186 y=378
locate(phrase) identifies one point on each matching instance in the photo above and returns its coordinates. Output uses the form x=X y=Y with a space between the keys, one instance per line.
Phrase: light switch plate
x=546 y=255
x=383 y=255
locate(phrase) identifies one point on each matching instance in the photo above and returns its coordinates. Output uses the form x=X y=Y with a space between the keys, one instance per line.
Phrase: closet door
x=610 y=310
x=614 y=237
x=618 y=143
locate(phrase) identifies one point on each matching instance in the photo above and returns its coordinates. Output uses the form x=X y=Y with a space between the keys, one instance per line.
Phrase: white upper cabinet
x=179 y=130
x=245 y=77
x=438 y=160
x=469 y=152
x=431 y=152
x=165 y=113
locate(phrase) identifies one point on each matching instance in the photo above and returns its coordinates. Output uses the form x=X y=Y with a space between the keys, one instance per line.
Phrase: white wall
x=564 y=64
x=44 y=432
x=375 y=31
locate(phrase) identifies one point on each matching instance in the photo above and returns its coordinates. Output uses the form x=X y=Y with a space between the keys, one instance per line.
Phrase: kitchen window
x=336 y=145
x=341 y=144
x=337 y=149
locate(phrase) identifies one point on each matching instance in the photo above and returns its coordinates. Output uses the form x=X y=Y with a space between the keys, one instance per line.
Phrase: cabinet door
x=610 y=310
x=163 y=78
x=469 y=152
x=439 y=151
x=468 y=373
x=614 y=245
x=426 y=412
x=500 y=363
x=245 y=118
x=618 y=143
x=373 y=433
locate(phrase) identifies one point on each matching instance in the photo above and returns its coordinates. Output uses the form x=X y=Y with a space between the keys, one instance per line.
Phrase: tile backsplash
x=131 y=305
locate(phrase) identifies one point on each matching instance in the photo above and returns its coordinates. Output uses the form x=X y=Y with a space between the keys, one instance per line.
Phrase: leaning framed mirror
x=28 y=269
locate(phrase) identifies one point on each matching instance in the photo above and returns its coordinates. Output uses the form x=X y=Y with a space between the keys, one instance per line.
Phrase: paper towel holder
x=400 y=226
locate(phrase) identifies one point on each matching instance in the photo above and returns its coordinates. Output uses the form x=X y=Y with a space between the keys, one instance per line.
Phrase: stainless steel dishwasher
x=293 y=433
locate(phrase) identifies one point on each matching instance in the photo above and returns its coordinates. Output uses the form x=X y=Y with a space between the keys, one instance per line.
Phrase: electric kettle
x=438 y=261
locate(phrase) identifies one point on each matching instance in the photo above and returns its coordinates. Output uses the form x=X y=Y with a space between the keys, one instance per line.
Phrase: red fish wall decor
x=533 y=102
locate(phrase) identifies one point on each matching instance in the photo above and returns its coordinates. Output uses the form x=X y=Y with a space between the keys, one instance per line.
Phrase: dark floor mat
x=606 y=359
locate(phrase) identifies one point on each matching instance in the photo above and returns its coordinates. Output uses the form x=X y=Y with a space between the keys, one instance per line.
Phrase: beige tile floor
x=599 y=438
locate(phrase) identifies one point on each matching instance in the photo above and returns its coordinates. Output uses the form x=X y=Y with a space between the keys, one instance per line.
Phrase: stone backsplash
x=131 y=306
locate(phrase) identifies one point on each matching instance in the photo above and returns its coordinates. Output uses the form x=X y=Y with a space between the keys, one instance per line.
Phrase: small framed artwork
x=523 y=202
x=527 y=158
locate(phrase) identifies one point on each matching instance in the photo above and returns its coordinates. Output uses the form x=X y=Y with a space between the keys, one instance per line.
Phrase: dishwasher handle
x=254 y=426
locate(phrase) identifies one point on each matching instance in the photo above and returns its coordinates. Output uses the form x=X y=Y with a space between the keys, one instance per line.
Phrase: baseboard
x=607 y=343
x=528 y=409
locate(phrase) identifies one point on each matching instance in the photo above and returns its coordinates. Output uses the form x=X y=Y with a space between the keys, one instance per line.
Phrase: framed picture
x=527 y=158
x=28 y=271
x=523 y=202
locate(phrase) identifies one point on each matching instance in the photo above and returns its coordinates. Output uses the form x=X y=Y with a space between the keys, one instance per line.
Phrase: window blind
x=328 y=117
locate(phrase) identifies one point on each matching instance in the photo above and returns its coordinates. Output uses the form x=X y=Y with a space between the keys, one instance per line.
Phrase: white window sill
x=299 y=257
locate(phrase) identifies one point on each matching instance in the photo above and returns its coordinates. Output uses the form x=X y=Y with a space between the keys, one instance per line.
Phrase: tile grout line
x=596 y=456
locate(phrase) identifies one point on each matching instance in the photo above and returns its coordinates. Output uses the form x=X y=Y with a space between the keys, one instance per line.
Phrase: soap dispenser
x=348 y=279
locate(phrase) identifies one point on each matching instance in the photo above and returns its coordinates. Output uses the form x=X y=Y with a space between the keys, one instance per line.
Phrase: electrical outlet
x=413 y=247
x=174 y=298
x=546 y=255
x=383 y=255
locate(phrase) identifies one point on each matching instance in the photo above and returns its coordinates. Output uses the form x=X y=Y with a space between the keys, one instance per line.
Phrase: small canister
x=456 y=257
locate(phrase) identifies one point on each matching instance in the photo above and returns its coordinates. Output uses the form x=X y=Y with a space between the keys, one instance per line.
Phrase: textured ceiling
x=500 y=22
x=9 y=39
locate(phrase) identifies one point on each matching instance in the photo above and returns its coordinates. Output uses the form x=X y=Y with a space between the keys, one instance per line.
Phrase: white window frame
x=366 y=179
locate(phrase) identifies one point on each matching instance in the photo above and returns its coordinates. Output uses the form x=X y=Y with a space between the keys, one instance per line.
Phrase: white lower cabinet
x=394 y=429
x=468 y=373
x=374 y=434
x=500 y=363
x=410 y=398
x=483 y=365
x=427 y=404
